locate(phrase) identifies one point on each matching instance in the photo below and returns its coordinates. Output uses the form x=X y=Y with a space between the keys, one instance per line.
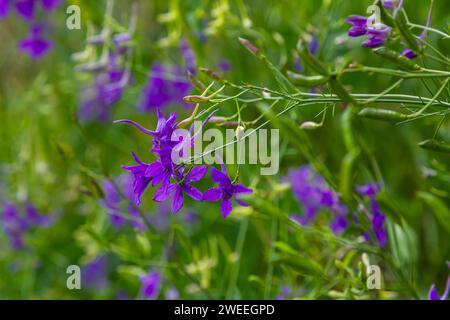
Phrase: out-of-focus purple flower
x=434 y=295
x=50 y=5
x=94 y=274
x=189 y=56
x=114 y=199
x=313 y=46
x=16 y=225
x=34 y=218
x=389 y=4
x=285 y=291
x=172 y=294
x=224 y=65
x=4 y=8
x=377 y=217
x=25 y=8
x=226 y=190
x=151 y=285
x=165 y=86
x=106 y=89
x=408 y=52
x=35 y=45
x=314 y=195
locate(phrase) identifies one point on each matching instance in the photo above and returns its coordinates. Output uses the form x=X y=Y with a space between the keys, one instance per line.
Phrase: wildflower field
x=224 y=149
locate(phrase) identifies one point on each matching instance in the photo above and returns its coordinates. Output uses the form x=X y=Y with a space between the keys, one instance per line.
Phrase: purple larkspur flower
x=311 y=191
x=188 y=56
x=106 y=90
x=313 y=46
x=15 y=226
x=226 y=190
x=182 y=186
x=35 y=218
x=165 y=86
x=224 y=65
x=25 y=8
x=113 y=199
x=141 y=179
x=50 y=5
x=4 y=8
x=410 y=54
x=151 y=285
x=377 y=33
x=285 y=291
x=172 y=294
x=377 y=217
x=95 y=274
x=434 y=295
x=35 y=45
x=389 y=4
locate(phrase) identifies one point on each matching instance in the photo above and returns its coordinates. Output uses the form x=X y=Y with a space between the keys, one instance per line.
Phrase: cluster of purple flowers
x=175 y=180
x=311 y=190
x=434 y=295
x=109 y=79
x=35 y=45
x=377 y=218
x=378 y=33
x=16 y=225
x=119 y=203
x=314 y=195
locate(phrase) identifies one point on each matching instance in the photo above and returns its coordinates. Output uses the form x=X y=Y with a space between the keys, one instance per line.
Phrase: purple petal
x=192 y=192
x=25 y=8
x=136 y=125
x=4 y=8
x=357 y=20
x=226 y=206
x=196 y=174
x=177 y=201
x=241 y=189
x=212 y=194
x=433 y=294
x=163 y=192
x=219 y=176
x=409 y=53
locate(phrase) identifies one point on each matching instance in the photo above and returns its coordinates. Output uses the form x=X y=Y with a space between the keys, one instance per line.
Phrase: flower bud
x=397 y=58
x=310 y=125
x=239 y=133
x=250 y=46
x=195 y=99
x=212 y=74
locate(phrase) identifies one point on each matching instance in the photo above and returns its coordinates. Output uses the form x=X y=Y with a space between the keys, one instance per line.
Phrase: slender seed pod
x=339 y=89
x=306 y=81
x=397 y=58
x=309 y=59
x=401 y=23
x=435 y=146
x=195 y=99
x=211 y=73
x=250 y=47
x=382 y=114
